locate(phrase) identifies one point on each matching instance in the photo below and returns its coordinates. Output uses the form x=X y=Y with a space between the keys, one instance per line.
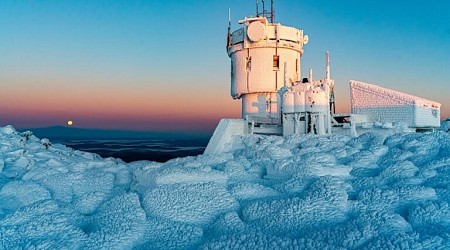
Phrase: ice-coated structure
x=306 y=106
x=385 y=105
x=378 y=190
x=264 y=58
x=266 y=75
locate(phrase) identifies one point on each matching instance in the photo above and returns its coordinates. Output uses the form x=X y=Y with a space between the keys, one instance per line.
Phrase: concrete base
x=223 y=134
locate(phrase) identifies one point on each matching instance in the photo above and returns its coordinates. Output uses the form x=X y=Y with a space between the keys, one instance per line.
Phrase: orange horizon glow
x=118 y=109
x=144 y=105
x=147 y=106
x=133 y=66
x=125 y=108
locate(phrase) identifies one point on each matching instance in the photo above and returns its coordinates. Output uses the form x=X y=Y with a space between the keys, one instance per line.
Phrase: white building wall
x=264 y=58
x=288 y=58
x=239 y=84
x=263 y=105
x=392 y=114
x=252 y=70
x=316 y=101
x=261 y=73
x=299 y=102
x=427 y=117
x=288 y=102
x=385 y=105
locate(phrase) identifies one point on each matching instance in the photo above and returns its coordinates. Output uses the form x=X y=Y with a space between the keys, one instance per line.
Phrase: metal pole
x=272 y=12
x=229 y=29
x=327 y=65
x=264 y=9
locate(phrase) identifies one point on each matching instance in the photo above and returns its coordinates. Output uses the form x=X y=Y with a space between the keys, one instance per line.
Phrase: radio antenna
x=257 y=9
x=229 y=29
x=264 y=9
x=272 y=12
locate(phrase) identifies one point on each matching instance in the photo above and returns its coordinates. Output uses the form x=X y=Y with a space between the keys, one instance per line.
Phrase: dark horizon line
x=119 y=129
x=65 y=132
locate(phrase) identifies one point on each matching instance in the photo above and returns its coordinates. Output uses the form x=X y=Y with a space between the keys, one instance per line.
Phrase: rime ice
x=379 y=104
x=378 y=190
x=276 y=100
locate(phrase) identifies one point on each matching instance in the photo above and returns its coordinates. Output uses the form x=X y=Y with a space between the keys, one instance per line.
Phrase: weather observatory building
x=266 y=75
x=276 y=100
x=264 y=58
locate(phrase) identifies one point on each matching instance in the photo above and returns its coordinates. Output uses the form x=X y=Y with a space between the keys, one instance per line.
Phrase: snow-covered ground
x=381 y=190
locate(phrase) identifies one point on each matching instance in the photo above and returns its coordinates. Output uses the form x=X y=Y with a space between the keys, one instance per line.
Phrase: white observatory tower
x=265 y=57
x=266 y=75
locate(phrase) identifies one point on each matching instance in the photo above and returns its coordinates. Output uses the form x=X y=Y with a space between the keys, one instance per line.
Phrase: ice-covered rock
x=41 y=225
x=378 y=190
x=190 y=203
x=167 y=234
x=8 y=130
x=16 y=194
x=120 y=223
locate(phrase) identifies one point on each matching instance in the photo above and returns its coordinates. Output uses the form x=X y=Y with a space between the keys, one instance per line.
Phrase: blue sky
x=160 y=63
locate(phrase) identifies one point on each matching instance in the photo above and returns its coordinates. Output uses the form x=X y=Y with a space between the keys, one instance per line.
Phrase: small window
x=296 y=66
x=248 y=65
x=276 y=62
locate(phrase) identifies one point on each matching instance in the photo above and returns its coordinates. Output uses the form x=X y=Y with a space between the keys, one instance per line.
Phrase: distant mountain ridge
x=61 y=132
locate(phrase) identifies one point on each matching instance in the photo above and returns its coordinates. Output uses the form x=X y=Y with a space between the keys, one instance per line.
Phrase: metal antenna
x=328 y=81
x=264 y=9
x=229 y=29
x=272 y=12
x=257 y=9
x=327 y=65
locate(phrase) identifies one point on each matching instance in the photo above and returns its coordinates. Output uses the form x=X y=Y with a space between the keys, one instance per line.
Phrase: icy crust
x=374 y=191
x=387 y=96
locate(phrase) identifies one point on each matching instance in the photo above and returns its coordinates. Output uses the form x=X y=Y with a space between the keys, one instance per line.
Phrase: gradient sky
x=162 y=64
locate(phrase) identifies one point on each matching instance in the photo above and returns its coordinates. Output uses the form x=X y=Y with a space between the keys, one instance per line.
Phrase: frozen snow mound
x=379 y=190
x=384 y=105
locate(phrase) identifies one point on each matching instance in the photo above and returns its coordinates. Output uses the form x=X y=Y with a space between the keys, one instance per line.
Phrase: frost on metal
x=385 y=105
x=266 y=75
x=265 y=57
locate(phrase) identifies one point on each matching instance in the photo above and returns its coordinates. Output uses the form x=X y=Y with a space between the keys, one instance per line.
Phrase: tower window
x=276 y=62
x=248 y=65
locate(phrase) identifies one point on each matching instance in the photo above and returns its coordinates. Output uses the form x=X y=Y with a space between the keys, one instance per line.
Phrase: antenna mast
x=264 y=9
x=327 y=65
x=265 y=13
x=229 y=29
x=329 y=81
x=272 y=12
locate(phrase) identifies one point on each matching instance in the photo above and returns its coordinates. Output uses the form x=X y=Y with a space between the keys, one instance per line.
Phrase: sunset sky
x=162 y=64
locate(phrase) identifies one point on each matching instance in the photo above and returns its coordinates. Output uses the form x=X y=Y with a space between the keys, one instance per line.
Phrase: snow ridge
x=380 y=190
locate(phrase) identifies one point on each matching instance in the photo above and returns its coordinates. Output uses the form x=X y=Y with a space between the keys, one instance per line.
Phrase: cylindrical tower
x=264 y=57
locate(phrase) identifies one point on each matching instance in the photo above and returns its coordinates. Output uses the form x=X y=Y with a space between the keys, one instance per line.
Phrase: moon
x=70 y=123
